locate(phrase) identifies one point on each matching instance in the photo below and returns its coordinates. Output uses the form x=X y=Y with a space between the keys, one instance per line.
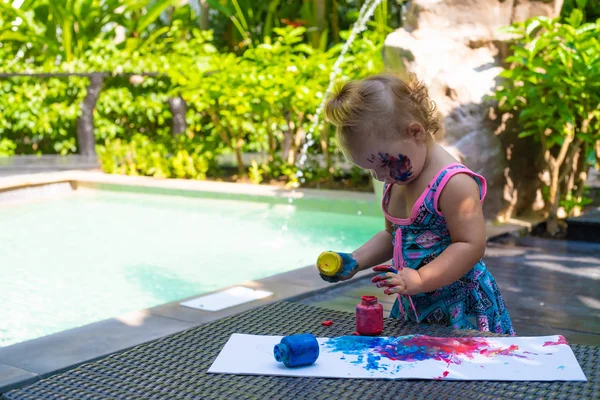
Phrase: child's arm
x=377 y=250
x=461 y=206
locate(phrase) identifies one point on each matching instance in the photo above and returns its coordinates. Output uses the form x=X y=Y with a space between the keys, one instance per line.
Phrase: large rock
x=457 y=48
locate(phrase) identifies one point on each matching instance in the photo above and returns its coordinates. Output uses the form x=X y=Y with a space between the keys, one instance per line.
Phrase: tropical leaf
x=153 y=13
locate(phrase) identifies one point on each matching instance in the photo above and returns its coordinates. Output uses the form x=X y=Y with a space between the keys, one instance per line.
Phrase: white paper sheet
x=228 y=298
x=546 y=358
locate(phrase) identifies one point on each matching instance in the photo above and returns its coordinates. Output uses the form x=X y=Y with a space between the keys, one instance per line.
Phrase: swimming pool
x=96 y=254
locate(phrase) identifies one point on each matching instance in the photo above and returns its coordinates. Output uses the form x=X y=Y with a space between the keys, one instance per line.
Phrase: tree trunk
x=238 y=157
x=555 y=177
x=581 y=176
x=320 y=15
x=86 y=141
x=178 y=110
x=296 y=137
x=203 y=20
x=287 y=137
x=271 y=145
x=335 y=21
x=325 y=149
x=552 y=222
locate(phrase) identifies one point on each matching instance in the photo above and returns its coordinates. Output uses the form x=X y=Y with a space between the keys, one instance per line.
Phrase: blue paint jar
x=297 y=350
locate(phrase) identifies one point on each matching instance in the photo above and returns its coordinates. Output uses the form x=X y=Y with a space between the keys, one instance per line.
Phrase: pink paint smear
x=561 y=340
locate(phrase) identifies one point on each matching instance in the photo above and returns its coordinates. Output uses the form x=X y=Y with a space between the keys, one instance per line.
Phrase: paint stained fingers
x=381 y=277
x=385 y=283
x=385 y=268
x=396 y=289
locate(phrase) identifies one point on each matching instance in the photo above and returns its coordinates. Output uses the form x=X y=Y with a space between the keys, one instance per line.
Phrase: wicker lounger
x=175 y=368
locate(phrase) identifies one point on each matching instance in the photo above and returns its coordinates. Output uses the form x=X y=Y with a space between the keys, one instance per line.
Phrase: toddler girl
x=434 y=226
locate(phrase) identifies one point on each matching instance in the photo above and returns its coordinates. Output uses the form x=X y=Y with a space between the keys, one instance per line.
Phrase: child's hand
x=350 y=269
x=405 y=281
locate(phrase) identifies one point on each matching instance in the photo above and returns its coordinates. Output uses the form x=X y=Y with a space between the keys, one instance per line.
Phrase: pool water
x=68 y=262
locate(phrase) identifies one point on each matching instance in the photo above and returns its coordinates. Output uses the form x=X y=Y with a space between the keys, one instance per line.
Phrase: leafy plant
x=7 y=147
x=572 y=203
x=50 y=32
x=261 y=100
x=256 y=173
x=589 y=9
x=143 y=156
x=553 y=89
x=248 y=23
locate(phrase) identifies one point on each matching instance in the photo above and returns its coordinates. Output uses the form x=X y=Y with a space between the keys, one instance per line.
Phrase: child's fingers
x=381 y=277
x=394 y=290
x=391 y=280
x=384 y=268
x=385 y=283
x=398 y=288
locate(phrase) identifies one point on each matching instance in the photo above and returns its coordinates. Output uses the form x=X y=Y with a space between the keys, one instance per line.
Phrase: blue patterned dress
x=472 y=302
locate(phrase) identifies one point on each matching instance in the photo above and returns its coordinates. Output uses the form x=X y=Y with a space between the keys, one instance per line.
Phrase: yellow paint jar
x=329 y=263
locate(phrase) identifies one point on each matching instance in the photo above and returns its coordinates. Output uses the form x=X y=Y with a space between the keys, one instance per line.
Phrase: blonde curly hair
x=381 y=105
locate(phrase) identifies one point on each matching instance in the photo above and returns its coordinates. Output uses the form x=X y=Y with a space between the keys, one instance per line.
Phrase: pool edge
x=91 y=178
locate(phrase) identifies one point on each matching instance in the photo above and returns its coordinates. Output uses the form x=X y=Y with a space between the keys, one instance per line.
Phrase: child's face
x=390 y=161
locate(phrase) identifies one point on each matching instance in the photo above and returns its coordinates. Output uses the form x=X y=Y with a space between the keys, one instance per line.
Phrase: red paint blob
x=327 y=323
x=445 y=374
x=355 y=334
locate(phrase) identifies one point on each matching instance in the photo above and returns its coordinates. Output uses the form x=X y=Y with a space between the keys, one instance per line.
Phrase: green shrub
x=146 y=157
x=39 y=115
x=262 y=100
x=7 y=147
x=552 y=88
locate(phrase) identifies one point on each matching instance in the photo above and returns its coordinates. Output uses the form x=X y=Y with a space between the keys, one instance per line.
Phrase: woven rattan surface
x=175 y=368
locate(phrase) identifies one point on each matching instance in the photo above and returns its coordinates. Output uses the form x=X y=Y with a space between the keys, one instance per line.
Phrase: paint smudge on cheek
x=400 y=167
x=561 y=340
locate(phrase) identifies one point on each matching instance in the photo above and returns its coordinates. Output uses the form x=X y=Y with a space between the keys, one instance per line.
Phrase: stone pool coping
x=182 y=185
x=29 y=361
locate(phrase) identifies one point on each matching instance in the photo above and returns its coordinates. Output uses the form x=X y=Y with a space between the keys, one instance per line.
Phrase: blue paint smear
x=561 y=367
x=365 y=345
x=359 y=360
x=373 y=362
x=358 y=345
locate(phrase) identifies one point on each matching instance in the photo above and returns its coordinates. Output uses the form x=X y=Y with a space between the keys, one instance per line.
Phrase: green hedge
x=260 y=101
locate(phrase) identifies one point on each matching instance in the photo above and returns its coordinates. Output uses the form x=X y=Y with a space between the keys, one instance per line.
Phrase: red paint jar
x=369 y=317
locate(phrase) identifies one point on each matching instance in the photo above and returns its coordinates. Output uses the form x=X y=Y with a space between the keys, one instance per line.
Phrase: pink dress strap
x=415 y=209
x=481 y=182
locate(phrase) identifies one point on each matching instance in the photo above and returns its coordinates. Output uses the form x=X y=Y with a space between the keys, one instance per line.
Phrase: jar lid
x=329 y=263
x=369 y=300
